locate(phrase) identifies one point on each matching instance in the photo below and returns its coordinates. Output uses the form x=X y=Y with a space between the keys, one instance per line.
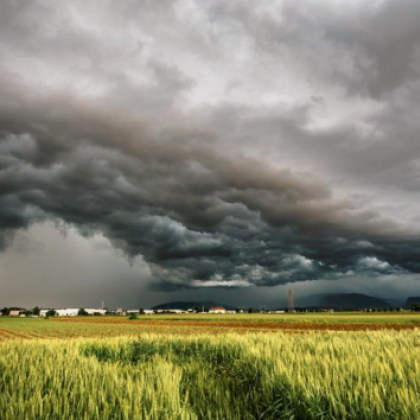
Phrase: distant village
x=69 y=312
x=412 y=303
x=134 y=313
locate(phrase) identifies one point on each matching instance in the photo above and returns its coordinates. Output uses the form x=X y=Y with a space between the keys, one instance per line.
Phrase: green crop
x=332 y=375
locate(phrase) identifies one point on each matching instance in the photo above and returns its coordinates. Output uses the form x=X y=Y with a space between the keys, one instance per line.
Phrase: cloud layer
x=228 y=144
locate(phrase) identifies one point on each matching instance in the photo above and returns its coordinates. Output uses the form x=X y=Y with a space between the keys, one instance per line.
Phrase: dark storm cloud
x=228 y=145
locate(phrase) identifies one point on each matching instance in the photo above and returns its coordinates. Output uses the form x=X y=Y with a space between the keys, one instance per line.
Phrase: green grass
x=358 y=376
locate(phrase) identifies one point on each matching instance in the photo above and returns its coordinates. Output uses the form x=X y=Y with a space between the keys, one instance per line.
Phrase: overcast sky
x=176 y=150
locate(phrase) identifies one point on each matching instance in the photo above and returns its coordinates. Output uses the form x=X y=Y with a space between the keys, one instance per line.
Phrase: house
x=15 y=312
x=217 y=310
x=148 y=311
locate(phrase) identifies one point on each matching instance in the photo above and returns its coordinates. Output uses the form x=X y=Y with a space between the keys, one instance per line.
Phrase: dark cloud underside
x=229 y=145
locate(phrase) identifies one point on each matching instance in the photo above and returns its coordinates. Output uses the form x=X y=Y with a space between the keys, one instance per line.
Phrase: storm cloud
x=226 y=144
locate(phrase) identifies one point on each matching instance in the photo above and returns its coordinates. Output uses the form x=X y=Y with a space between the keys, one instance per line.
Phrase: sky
x=227 y=150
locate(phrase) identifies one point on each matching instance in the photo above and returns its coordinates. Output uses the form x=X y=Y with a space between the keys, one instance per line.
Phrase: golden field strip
x=201 y=367
x=115 y=326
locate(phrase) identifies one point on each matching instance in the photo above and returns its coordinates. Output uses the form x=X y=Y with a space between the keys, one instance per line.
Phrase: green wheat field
x=81 y=370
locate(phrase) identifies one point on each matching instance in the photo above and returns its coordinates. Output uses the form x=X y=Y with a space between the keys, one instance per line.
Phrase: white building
x=73 y=311
x=93 y=311
x=218 y=310
x=133 y=311
x=172 y=311
x=67 y=311
x=119 y=311
x=142 y=311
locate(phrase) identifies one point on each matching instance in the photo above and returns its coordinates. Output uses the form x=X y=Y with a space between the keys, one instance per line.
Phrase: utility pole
x=290 y=301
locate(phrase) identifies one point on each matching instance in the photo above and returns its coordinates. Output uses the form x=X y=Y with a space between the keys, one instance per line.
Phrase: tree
x=36 y=311
x=51 y=312
x=134 y=316
x=415 y=307
x=82 y=312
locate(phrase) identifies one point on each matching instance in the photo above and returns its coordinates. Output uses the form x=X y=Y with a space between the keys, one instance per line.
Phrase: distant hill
x=193 y=304
x=410 y=300
x=329 y=300
x=343 y=301
x=397 y=303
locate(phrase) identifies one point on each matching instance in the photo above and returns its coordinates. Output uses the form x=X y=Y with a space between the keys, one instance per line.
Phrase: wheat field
x=330 y=375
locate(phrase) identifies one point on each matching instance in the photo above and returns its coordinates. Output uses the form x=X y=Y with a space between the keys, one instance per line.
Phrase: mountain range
x=192 y=304
x=328 y=300
x=411 y=300
x=343 y=301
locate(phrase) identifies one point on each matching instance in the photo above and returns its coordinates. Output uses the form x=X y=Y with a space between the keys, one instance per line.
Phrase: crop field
x=187 y=367
x=203 y=324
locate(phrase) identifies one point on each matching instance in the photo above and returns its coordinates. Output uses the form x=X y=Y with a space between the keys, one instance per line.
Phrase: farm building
x=217 y=310
x=141 y=311
x=73 y=311
x=120 y=311
x=67 y=312
x=96 y=311
x=15 y=313
x=172 y=311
